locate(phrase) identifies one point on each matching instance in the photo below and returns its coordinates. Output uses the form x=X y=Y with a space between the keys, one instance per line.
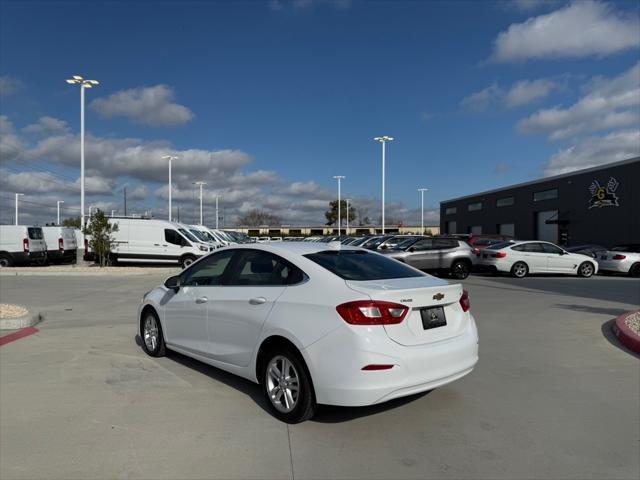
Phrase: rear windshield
x=627 y=248
x=35 y=233
x=500 y=246
x=362 y=265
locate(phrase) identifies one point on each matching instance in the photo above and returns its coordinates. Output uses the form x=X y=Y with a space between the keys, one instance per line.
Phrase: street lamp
x=78 y=80
x=339 y=178
x=217 y=196
x=422 y=190
x=169 y=157
x=383 y=140
x=201 y=184
x=59 y=202
x=17 y=195
x=346 y=231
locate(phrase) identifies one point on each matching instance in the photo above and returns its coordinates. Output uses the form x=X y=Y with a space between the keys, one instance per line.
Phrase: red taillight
x=465 y=302
x=476 y=250
x=377 y=366
x=372 y=312
x=25 y=245
x=619 y=257
x=60 y=244
x=499 y=255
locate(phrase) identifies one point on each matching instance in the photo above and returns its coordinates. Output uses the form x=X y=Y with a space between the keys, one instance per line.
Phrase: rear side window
x=255 y=267
x=444 y=244
x=362 y=265
x=501 y=245
x=35 y=233
x=626 y=248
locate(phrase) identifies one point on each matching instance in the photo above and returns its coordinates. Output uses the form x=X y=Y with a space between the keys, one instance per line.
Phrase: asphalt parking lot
x=554 y=396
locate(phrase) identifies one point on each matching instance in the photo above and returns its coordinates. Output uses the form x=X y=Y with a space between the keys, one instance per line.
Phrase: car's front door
x=186 y=310
x=238 y=314
x=558 y=260
x=421 y=255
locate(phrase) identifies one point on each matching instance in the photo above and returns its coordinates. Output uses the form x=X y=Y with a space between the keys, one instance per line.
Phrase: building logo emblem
x=603 y=196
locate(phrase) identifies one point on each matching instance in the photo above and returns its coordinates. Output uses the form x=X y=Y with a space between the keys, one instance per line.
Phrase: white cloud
x=608 y=103
x=11 y=146
x=485 y=98
x=583 y=28
x=526 y=91
x=94 y=185
x=47 y=125
x=152 y=106
x=139 y=192
x=32 y=182
x=527 y=5
x=9 y=85
x=595 y=151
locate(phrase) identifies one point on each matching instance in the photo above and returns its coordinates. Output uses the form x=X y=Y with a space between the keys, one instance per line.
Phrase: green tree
x=73 y=222
x=332 y=214
x=99 y=233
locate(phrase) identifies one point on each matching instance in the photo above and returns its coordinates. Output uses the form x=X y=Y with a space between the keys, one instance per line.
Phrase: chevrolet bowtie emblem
x=438 y=296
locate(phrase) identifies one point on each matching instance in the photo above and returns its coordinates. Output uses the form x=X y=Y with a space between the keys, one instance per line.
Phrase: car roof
x=297 y=248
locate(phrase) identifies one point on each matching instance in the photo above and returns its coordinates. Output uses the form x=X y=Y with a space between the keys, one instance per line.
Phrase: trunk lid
x=418 y=293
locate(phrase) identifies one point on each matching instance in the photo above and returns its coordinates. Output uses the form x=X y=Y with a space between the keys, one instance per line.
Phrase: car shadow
x=607 y=332
x=590 y=309
x=325 y=413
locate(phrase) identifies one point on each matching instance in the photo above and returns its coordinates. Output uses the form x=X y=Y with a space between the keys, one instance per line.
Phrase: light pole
x=59 y=202
x=383 y=140
x=113 y=212
x=200 y=184
x=422 y=190
x=217 y=216
x=339 y=178
x=346 y=231
x=17 y=195
x=90 y=208
x=78 y=80
x=169 y=157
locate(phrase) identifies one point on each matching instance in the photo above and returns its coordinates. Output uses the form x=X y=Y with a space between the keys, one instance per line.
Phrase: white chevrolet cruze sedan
x=522 y=258
x=314 y=323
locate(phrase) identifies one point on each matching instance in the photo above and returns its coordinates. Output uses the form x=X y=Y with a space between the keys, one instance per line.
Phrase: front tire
x=460 y=269
x=519 y=270
x=586 y=269
x=151 y=333
x=287 y=386
x=187 y=260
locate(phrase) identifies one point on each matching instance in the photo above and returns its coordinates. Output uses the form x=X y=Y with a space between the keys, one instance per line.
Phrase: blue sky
x=267 y=101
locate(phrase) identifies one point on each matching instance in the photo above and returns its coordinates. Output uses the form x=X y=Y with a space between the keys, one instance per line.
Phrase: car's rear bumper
x=61 y=256
x=618 y=266
x=336 y=363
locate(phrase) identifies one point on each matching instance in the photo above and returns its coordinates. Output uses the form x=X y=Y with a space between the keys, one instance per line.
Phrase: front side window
x=550 y=248
x=208 y=271
x=361 y=265
x=256 y=267
x=545 y=195
x=173 y=237
x=473 y=207
x=188 y=234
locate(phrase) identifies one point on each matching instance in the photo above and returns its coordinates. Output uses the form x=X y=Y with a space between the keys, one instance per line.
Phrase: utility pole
x=125 y=200
x=17 y=195
x=58 y=204
x=422 y=190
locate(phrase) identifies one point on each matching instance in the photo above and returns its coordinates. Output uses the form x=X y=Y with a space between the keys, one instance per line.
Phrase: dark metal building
x=598 y=205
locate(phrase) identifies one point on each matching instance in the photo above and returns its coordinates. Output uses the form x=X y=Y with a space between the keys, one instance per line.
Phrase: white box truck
x=21 y=245
x=62 y=246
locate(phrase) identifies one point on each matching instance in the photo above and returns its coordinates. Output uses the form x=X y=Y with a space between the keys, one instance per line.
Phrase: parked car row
x=28 y=245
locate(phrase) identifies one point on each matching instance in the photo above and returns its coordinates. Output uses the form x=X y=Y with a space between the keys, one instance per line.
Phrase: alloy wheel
x=520 y=270
x=150 y=333
x=586 y=270
x=282 y=384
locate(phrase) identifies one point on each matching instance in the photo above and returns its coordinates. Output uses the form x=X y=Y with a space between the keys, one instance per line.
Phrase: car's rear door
x=535 y=257
x=242 y=304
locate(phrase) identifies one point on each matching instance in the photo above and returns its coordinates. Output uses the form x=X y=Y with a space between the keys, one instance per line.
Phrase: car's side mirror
x=173 y=283
x=383 y=247
x=563 y=252
x=412 y=249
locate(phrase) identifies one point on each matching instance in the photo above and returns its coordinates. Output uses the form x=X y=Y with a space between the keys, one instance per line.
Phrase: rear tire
x=187 y=260
x=634 y=271
x=6 y=260
x=460 y=269
x=151 y=334
x=287 y=387
x=519 y=270
x=586 y=269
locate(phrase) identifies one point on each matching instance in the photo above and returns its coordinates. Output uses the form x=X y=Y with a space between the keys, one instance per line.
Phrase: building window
x=475 y=230
x=508 y=229
x=545 y=195
x=505 y=202
x=450 y=211
x=451 y=227
x=475 y=206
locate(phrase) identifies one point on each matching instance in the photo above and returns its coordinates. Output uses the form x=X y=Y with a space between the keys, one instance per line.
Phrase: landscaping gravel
x=633 y=322
x=12 y=311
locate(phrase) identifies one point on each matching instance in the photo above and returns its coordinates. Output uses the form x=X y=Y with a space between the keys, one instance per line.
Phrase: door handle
x=156 y=244
x=257 y=301
x=201 y=300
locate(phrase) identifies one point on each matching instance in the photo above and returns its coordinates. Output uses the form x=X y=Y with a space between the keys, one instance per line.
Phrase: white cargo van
x=21 y=245
x=207 y=235
x=154 y=241
x=62 y=246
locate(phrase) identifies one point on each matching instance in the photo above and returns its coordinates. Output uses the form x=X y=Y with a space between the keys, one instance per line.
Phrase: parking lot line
x=12 y=337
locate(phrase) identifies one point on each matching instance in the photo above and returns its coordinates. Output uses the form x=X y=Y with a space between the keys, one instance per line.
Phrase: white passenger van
x=154 y=241
x=21 y=245
x=62 y=246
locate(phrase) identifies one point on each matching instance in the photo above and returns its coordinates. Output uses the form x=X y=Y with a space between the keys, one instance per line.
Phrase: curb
x=627 y=337
x=26 y=320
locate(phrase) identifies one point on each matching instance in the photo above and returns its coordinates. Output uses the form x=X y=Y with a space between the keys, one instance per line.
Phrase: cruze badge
x=438 y=296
